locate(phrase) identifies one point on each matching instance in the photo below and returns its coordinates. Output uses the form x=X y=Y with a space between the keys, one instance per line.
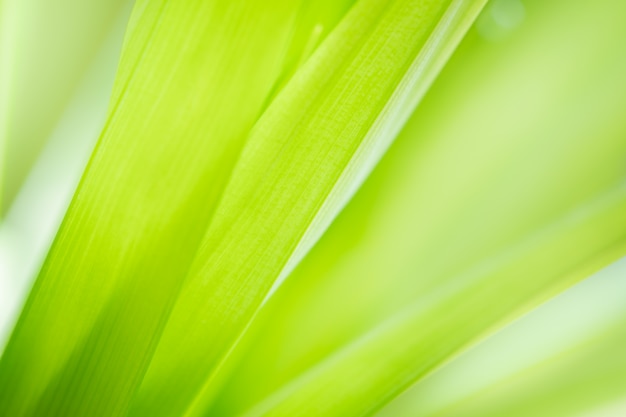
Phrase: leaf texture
x=177 y=123
x=212 y=169
x=301 y=163
x=472 y=177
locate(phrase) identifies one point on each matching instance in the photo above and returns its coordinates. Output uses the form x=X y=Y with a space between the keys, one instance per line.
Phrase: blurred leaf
x=386 y=360
x=33 y=219
x=573 y=383
x=7 y=10
x=47 y=47
x=513 y=140
x=565 y=358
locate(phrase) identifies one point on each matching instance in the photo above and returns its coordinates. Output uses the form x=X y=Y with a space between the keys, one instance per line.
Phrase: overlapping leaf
x=490 y=202
x=315 y=142
x=583 y=380
x=563 y=359
x=170 y=200
x=33 y=218
x=179 y=116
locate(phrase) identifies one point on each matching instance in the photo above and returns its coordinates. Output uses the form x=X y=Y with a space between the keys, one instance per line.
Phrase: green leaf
x=46 y=47
x=7 y=10
x=178 y=121
x=388 y=359
x=33 y=218
x=509 y=142
x=182 y=191
x=577 y=382
x=304 y=159
x=563 y=358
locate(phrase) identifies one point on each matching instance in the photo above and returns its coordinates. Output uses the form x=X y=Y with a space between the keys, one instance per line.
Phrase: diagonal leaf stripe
x=173 y=199
x=473 y=173
x=227 y=252
x=332 y=119
x=179 y=116
x=588 y=377
x=42 y=61
x=564 y=358
x=389 y=358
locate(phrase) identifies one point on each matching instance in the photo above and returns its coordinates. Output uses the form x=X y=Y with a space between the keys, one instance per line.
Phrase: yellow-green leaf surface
x=388 y=359
x=6 y=74
x=306 y=154
x=588 y=377
x=179 y=116
x=564 y=358
x=46 y=47
x=183 y=187
x=33 y=218
x=490 y=201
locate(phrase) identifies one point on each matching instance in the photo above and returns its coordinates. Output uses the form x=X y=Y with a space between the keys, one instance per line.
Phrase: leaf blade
x=144 y=193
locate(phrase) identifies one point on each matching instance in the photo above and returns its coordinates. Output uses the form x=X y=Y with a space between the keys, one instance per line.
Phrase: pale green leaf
x=46 y=49
x=34 y=216
x=565 y=358
x=584 y=379
x=388 y=359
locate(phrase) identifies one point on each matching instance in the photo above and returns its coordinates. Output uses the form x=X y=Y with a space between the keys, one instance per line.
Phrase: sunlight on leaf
x=270 y=225
x=442 y=203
